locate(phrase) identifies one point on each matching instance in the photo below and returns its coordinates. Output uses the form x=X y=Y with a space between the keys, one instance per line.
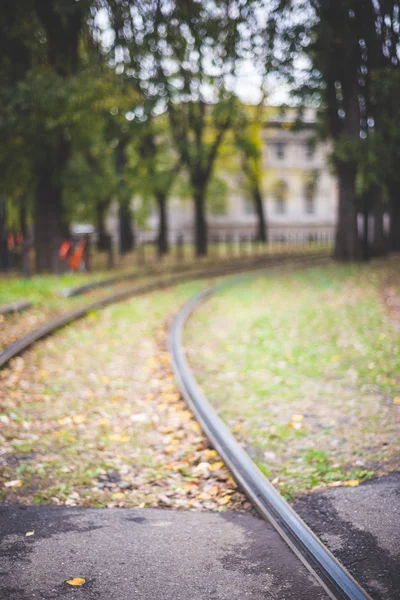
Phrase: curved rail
x=28 y=340
x=334 y=578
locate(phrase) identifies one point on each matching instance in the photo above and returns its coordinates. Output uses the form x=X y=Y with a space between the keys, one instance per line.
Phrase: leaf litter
x=92 y=417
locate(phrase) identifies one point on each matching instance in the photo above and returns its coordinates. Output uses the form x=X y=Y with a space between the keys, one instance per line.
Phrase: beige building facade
x=300 y=193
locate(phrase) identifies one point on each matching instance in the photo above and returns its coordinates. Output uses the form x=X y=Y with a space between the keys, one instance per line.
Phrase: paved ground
x=156 y=554
x=361 y=526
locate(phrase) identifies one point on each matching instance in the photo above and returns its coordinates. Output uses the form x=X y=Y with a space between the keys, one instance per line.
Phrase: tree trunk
x=3 y=236
x=23 y=226
x=379 y=245
x=262 y=234
x=200 y=223
x=347 y=243
x=47 y=222
x=126 y=239
x=162 y=237
x=365 y=249
x=395 y=222
x=103 y=239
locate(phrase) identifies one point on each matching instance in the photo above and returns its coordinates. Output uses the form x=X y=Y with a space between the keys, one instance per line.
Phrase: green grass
x=314 y=345
x=42 y=287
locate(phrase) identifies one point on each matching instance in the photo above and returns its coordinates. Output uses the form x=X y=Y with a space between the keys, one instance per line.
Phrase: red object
x=77 y=255
x=64 y=249
x=10 y=241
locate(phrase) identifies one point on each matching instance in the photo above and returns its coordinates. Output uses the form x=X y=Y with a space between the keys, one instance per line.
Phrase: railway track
x=23 y=343
x=334 y=578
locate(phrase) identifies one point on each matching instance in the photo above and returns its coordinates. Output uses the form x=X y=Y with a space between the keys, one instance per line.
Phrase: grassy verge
x=305 y=368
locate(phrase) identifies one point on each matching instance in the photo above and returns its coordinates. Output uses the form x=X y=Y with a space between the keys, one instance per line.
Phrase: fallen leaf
x=297 y=418
x=224 y=500
x=78 y=419
x=29 y=533
x=351 y=482
x=116 y=437
x=237 y=428
x=216 y=466
x=118 y=495
x=396 y=400
x=13 y=484
x=210 y=454
x=76 y=581
x=296 y=425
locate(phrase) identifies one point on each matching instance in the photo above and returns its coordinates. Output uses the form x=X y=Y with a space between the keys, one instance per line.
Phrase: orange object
x=64 y=249
x=10 y=241
x=77 y=255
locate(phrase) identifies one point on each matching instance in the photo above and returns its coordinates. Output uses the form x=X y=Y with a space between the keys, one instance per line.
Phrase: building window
x=280 y=150
x=309 y=199
x=280 y=195
x=309 y=150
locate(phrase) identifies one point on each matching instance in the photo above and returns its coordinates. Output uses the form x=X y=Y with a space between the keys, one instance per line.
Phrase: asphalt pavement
x=146 y=554
x=361 y=526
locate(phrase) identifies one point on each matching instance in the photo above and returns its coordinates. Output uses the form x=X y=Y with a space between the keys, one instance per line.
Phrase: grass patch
x=305 y=366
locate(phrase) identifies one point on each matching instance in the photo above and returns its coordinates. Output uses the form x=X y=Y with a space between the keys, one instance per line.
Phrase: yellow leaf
x=297 y=418
x=216 y=466
x=118 y=495
x=237 y=428
x=116 y=437
x=29 y=533
x=104 y=421
x=210 y=454
x=15 y=483
x=78 y=419
x=105 y=379
x=195 y=426
x=76 y=581
x=42 y=373
x=296 y=425
x=168 y=430
x=396 y=400
x=224 y=500
x=169 y=449
x=351 y=482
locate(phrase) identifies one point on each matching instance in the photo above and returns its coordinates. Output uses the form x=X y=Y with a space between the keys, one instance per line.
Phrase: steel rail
x=333 y=577
x=28 y=340
x=12 y=307
x=176 y=270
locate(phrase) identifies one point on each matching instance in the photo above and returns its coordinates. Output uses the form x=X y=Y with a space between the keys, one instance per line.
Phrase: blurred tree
x=346 y=43
x=183 y=57
x=157 y=169
x=249 y=141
